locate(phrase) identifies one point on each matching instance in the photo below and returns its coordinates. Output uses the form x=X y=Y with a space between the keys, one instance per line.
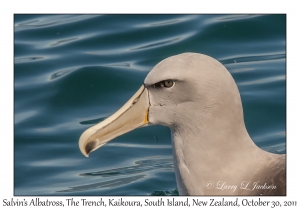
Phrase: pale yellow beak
x=133 y=114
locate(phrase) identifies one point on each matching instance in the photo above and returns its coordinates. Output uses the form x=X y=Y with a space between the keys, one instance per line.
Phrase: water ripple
x=270 y=136
x=141 y=166
x=106 y=184
x=51 y=20
x=20 y=117
x=28 y=59
x=63 y=41
x=143 y=47
x=61 y=73
x=165 y=193
x=157 y=44
x=167 y=22
x=126 y=65
x=263 y=81
x=227 y=18
x=252 y=58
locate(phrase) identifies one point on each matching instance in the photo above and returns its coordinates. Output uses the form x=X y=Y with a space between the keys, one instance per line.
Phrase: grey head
x=197 y=98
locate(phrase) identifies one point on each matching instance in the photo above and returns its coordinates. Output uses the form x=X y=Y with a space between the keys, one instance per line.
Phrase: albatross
x=197 y=98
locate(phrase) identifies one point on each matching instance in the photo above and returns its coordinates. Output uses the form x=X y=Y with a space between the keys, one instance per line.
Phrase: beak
x=133 y=114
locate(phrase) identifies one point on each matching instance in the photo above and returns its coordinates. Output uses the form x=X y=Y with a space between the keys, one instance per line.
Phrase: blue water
x=72 y=71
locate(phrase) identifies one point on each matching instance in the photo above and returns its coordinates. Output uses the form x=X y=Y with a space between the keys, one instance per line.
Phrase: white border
x=8 y=8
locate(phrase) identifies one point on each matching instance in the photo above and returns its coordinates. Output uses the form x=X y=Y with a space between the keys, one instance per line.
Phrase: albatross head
x=189 y=89
x=197 y=98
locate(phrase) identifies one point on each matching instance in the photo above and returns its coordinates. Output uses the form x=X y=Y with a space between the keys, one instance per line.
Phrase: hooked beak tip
x=133 y=114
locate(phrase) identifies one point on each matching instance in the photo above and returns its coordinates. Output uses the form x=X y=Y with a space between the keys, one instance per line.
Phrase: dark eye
x=165 y=83
x=168 y=83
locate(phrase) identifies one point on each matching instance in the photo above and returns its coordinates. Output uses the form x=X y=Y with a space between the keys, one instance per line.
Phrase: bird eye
x=168 y=83
x=165 y=83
